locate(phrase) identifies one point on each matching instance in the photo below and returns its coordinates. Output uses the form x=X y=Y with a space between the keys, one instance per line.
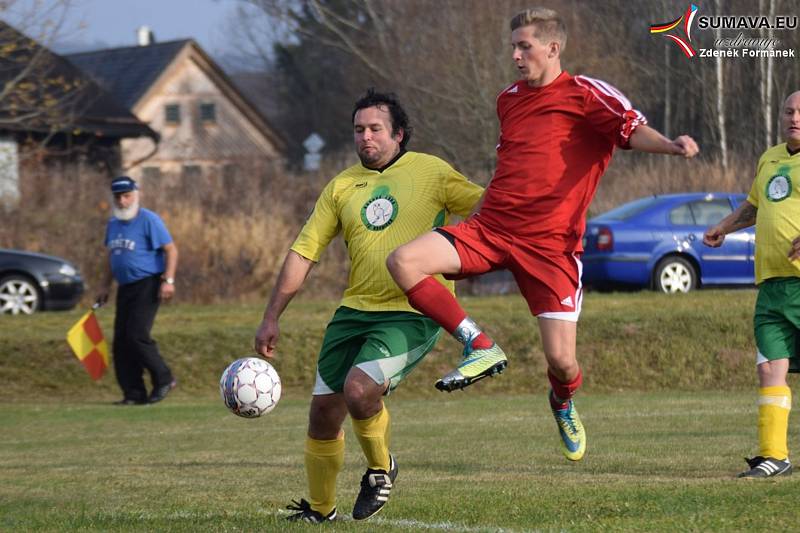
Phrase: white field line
x=341 y=517
x=442 y=526
x=410 y=524
x=407 y=523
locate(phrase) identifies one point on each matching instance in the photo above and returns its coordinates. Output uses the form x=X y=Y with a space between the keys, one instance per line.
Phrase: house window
x=151 y=173
x=172 y=114
x=190 y=172
x=208 y=112
x=230 y=172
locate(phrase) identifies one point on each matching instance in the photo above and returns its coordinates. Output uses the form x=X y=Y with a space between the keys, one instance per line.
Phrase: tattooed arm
x=743 y=217
x=794 y=251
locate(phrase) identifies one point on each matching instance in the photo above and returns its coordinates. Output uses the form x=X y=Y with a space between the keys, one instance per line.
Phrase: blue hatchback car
x=657 y=242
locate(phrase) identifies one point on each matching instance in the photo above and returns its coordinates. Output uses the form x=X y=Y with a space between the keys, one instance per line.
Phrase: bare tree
x=38 y=94
x=766 y=65
x=720 y=101
x=447 y=60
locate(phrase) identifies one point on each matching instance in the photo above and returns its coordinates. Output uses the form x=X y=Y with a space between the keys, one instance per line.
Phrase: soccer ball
x=250 y=387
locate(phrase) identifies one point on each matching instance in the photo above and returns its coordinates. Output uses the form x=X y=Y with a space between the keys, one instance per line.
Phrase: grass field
x=655 y=462
x=668 y=403
x=633 y=341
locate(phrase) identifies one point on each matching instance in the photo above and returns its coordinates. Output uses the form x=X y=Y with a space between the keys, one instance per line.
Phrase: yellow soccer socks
x=774 y=404
x=324 y=460
x=373 y=434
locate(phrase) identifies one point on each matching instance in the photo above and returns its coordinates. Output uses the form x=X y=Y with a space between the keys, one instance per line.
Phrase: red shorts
x=550 y=281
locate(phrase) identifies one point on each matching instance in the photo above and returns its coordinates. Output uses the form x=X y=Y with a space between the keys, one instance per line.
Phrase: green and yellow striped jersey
x=776 y=195
x=378 y=211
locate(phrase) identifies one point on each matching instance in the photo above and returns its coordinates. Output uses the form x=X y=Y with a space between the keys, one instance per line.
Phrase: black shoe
x=762 y=467
x=375 y=488
x=306 y=514
x=129 y=401
x=159 y=393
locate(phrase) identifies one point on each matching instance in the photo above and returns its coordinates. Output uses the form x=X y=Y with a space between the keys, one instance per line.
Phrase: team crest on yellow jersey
x=779 y=187
x=379 y=212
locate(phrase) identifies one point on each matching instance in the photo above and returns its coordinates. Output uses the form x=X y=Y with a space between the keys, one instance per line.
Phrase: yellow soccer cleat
x=573 y=436
x=477 y=364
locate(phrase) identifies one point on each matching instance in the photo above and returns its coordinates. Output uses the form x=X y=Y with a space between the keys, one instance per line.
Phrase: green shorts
x=386 y=345
x=777 y=321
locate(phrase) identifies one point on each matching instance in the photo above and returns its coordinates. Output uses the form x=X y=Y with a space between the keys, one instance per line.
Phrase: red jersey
x=555 y=143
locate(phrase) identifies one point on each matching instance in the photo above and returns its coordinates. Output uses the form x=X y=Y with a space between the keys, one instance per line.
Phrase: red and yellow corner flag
x=87 y=341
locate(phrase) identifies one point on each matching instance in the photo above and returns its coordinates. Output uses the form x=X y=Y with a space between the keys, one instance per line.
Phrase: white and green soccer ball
x=250 y=387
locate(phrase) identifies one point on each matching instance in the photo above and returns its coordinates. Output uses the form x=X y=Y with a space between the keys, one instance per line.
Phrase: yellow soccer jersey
x=776 y=195
x=379 y=211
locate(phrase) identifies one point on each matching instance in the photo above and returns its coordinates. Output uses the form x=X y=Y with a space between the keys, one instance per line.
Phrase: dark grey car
x=31 y=282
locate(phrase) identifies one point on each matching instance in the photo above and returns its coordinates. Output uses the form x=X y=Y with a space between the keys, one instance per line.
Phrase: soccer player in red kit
x=557 y=135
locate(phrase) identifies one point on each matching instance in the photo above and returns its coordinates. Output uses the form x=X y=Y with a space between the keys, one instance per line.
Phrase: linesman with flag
x=143 y=259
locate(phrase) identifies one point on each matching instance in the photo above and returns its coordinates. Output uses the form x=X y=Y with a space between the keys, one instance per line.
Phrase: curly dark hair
x=396 y=111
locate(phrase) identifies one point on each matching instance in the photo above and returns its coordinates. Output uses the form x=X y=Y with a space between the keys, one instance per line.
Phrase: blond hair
x=548 y=25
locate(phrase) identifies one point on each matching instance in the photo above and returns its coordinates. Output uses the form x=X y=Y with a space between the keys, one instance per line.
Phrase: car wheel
x=18 y=295
x=675 y=274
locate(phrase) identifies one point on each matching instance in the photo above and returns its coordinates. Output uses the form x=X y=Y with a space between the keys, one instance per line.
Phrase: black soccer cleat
x=376 y=485
x=764 y=467
x=306 y=514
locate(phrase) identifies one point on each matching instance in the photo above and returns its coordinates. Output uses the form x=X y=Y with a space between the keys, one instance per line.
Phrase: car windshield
x=626 y=211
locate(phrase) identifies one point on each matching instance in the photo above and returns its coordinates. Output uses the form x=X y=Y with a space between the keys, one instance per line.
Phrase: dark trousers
x=134 y=349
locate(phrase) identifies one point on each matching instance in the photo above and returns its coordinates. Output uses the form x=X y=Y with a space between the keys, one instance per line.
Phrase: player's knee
x=325 y=420
x=773 y=373
x=354 y=393
x=362 y=398
x=564 y=368
x=392 y=263
x=400 y=260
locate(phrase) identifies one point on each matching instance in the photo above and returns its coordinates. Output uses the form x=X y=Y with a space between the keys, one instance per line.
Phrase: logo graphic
x=379 y=212
x=567 y=301
x=779 y=187
x=687 y=19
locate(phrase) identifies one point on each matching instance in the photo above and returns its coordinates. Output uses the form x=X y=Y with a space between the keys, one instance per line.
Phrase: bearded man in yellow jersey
x=773 y=205
x=374 y=338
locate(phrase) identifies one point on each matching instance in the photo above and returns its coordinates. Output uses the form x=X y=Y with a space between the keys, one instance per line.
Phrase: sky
x=95 y=24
